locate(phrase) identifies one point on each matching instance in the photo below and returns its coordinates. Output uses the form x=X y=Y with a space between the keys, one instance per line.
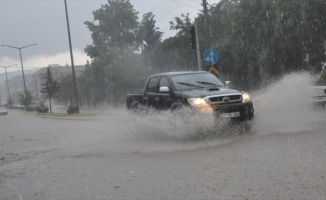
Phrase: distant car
x=3 y=111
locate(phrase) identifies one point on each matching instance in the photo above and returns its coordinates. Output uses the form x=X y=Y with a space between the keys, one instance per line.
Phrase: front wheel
x=240 y=126
x=245 y=127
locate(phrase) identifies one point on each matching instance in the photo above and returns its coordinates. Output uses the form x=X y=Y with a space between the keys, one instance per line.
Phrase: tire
x=240 y=126
x=177 y=106
x=135 y=106
x=245 y=127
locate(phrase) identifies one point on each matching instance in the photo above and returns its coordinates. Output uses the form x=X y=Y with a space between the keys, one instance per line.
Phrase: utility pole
x=205 y=11
x=7 y=79
x=207 y=23
x=72 y=59
x=197 y=47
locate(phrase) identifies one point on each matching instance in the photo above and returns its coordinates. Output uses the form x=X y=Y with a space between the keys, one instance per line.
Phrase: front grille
x=246 y=109
x=225 y=99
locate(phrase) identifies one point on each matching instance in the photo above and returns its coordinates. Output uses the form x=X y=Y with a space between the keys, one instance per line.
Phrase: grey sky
x=43 y=22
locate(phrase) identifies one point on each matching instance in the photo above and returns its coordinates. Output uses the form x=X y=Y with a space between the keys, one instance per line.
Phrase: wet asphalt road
x=109 y=157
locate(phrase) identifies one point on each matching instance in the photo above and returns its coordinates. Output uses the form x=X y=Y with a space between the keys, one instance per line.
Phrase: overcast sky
x=43 y=22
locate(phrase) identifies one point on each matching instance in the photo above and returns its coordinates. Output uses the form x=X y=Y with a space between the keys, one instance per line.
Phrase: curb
x=61 y=115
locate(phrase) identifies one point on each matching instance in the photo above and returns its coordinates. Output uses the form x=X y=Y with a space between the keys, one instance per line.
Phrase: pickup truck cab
x=199 y=90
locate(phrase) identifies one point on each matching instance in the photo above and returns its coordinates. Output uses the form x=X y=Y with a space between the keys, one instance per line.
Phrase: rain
x=94 y=134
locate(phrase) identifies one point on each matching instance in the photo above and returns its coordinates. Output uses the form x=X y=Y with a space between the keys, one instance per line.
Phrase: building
x=35 y=80
x=38 y=78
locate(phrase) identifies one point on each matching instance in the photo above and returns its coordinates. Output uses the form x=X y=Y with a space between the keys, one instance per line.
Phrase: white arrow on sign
x=211 y=58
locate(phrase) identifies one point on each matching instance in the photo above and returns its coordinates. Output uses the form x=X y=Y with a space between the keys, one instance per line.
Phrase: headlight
x=197 y=102
x=245 y=97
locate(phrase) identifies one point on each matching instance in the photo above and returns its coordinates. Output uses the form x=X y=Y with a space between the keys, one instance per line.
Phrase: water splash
x=285 y=106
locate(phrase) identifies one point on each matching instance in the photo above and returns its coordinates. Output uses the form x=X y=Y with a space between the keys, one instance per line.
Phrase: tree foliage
x=257 y=42
x=175 y=53
x=50 y=87
x=25 y=98
x=265 y=39
x=113 y=29
x=66 y=91
x=148 y=34
x=149 y=37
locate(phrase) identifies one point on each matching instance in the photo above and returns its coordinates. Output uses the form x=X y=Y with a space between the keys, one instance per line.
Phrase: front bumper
x=246 y=110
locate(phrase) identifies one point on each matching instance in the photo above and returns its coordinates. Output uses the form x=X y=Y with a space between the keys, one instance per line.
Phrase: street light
x=7 y=80
x=21 y=59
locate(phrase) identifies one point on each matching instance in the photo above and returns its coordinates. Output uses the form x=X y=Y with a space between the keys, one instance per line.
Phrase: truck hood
x=206 y=92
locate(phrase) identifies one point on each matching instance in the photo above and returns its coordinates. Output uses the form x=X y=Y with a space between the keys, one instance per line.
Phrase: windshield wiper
x=208 y=83
x=189 y=84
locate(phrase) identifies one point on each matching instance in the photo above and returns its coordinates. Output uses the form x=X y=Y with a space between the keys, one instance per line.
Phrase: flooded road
x=116 y=155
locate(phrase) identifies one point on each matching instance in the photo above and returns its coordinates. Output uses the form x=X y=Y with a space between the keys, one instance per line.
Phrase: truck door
x=165 y=98
x=151 y=93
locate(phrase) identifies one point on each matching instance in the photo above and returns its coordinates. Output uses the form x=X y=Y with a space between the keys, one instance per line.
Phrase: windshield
x=195 y=80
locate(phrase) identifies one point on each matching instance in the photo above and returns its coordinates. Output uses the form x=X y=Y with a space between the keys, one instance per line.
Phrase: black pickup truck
x=199 y=90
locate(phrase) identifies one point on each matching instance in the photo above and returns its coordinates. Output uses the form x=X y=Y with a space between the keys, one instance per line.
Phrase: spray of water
x=184 y=124
x=285 y=106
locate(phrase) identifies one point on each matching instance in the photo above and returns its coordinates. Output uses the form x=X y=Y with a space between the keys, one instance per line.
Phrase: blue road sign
x=210 y=57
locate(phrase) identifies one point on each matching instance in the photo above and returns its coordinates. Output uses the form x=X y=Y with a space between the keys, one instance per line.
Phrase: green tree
x=113 y=29
x=181 y=24
x=98 y=81
x=259 y=41
x=66 y=89
x=50 y=87
x=175 y=53
x=125 y=76
x=109 y=78
x=149 y=36
x=85 y=85
x=25 y=98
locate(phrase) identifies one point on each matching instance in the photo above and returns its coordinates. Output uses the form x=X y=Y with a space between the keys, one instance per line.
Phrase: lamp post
x=7 y=79
x=21 y=59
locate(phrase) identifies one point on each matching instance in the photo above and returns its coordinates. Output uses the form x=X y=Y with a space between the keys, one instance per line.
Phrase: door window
x=152 y=84
x=164 y=82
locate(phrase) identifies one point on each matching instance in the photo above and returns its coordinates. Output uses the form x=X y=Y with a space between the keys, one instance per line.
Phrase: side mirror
x=164 y=89
x=227 y=83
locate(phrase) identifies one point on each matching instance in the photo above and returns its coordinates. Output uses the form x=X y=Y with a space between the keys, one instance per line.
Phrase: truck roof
x=178 y=73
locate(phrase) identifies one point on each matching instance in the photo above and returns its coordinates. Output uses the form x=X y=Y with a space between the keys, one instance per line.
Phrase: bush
x=73 y=109
x=30 y=109
x=42 y=109
x=10 y=102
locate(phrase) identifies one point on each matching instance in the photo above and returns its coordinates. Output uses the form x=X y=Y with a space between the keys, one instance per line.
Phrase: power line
x=170 y=32
x=158 y=5
x=187 y=4
x=166 y=14
x=179 y=3
x=190 y=10
x=165 y=9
